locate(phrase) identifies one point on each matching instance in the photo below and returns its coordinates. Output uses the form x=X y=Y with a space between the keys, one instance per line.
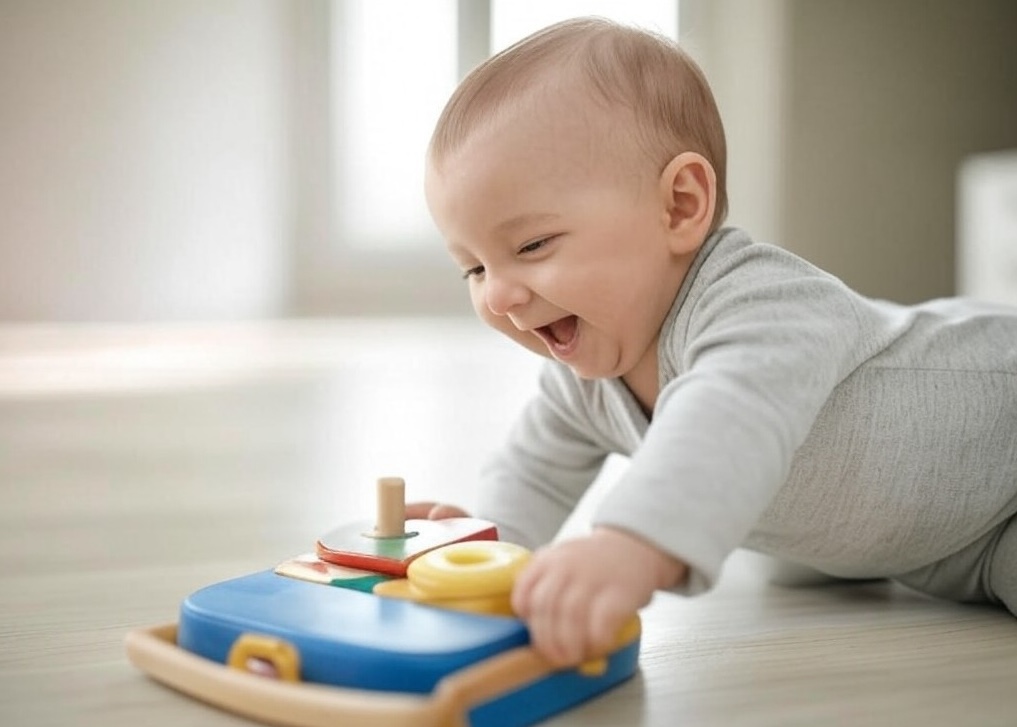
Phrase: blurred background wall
x=144 y=159
x=886 y=101
x=849 y=121
x=170 y=160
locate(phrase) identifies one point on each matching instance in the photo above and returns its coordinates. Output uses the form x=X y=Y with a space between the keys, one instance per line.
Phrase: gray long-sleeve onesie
x=796 y=417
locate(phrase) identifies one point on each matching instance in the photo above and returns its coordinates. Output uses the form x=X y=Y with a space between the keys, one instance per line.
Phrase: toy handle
x=314 y=705
x=458 y=693
x=304 y=704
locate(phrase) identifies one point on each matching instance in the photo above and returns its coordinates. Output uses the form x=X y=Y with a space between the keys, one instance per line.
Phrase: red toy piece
x=394 y=542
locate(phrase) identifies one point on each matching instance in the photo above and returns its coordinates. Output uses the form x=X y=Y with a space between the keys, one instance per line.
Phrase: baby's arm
x=787 y=573
x=528 y=489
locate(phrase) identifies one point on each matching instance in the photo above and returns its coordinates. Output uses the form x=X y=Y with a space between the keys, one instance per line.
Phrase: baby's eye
x=535 y=245
x=473 y=272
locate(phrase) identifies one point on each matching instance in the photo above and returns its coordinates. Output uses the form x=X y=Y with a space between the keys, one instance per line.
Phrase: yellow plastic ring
x=471 y=569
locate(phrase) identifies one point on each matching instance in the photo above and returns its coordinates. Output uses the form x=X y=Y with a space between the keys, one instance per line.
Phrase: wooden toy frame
x=301 y=704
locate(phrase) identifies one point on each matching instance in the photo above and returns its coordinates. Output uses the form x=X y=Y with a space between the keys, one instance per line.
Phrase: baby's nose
x=502 y=294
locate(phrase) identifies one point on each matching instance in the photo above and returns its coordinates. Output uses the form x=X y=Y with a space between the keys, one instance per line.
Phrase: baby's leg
x=983 y=572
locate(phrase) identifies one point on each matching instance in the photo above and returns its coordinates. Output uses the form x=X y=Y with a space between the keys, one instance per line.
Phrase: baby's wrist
x=669 y=571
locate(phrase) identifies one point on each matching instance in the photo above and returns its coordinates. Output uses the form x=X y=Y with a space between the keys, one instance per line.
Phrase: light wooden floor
x=139 y=464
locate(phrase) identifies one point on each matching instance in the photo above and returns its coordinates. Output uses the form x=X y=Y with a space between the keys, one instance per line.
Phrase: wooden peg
x=391 y=516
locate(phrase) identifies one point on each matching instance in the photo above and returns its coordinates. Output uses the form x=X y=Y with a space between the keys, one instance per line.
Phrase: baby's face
x=560 y=229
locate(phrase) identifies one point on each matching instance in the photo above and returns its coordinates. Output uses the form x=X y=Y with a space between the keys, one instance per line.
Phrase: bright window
x=397 y=65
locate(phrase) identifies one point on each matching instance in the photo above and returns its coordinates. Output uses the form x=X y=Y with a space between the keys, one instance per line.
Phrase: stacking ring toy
x=472 y=576
x=468 y=570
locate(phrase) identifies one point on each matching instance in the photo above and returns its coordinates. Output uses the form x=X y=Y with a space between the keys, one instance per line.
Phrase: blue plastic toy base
x=352 y=639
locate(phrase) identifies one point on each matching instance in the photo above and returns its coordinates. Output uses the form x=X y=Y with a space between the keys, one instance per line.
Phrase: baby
x=578 y=178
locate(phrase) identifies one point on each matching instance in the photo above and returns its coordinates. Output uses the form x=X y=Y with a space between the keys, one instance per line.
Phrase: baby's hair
x=642 y=71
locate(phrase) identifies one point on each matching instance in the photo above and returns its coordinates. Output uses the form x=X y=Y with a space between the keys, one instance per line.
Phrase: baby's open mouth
x=560 y=335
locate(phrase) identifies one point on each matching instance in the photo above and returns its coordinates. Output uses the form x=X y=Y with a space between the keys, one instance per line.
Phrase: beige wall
x=144 y=163
x=742 y=48
x=884 y=100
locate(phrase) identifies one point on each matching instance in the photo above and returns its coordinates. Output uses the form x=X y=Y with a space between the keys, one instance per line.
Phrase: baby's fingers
x=419 y=510
x=607 y=616
x=433 y=511
x=557 y=615
x=555 y=628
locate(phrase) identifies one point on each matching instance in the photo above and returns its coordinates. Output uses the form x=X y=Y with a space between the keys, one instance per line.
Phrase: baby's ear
x=688 y=188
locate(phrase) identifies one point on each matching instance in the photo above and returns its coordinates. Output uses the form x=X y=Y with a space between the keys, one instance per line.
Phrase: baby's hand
x=577 y=594
x=433 y=511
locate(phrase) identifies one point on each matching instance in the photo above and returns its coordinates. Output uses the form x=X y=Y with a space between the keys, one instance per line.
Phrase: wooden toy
x=309 y=567
x=312 y=643
x=390 y=545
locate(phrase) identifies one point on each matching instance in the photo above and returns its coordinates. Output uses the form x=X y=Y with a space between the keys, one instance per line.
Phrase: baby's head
x=671 y=106
x=574 y=176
